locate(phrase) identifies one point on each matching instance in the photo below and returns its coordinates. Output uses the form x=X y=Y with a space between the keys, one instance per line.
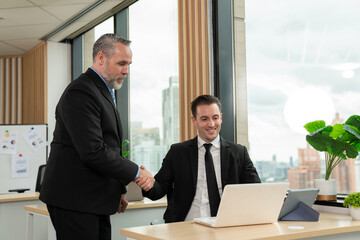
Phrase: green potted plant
x=339 y=142
x=125 y=148
x=352 y=201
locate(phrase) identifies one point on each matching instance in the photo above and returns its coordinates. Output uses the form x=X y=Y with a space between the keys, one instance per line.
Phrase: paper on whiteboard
x=8 y=141
x=34 y=139
x=20 y=166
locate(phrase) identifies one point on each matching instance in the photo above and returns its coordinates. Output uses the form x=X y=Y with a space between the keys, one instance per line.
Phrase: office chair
x=40 y=177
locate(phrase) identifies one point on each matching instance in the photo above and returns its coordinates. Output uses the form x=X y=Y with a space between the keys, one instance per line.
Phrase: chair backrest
x=40 y=177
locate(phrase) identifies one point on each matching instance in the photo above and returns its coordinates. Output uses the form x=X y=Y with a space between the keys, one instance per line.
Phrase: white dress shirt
x=201 y=206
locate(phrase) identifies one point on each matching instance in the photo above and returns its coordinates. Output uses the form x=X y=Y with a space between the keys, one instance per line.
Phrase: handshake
x=145 y=180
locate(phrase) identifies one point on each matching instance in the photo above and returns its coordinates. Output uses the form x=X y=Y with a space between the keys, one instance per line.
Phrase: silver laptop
x=248 y=204
x=133 y=192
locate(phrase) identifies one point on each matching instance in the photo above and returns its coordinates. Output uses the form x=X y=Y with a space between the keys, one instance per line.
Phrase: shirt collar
x=110 y=90
x=101 y=78
x=215 y=142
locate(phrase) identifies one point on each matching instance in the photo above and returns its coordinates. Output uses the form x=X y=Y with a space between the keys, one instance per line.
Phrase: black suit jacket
x=86 y=171
x=178 y=175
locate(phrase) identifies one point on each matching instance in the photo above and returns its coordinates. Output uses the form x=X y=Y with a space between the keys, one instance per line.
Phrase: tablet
x=294 y=196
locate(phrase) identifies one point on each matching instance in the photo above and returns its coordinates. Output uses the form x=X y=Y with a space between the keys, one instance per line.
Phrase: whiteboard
x=36 y=158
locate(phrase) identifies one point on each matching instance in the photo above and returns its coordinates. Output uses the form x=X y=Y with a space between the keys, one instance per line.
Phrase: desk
x=17 y=197
x=12 y=215
x=137 y=213
x=40 y=210
x=328 y=224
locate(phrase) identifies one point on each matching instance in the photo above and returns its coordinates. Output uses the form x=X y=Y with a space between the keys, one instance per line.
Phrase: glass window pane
x=91 y=36
x=303 y=64
x=154 y=87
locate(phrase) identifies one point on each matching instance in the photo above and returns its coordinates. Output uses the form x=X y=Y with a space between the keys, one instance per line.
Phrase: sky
x=154 y=44
x=153 y=36
x=298 y=53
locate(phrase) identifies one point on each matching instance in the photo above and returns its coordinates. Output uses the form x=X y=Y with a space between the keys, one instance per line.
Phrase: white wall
x=59 y=76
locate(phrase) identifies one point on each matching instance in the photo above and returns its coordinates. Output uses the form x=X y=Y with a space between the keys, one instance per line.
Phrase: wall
x=58 y=76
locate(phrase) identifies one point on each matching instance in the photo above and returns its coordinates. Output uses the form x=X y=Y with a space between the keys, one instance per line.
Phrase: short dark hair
x=204 y=100
x=106 y=44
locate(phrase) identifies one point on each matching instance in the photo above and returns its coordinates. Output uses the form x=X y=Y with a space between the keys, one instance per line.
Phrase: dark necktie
x=213 y=191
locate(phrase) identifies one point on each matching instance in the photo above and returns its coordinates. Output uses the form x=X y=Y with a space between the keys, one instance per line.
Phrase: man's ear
x=101 y=58
x=193 y=120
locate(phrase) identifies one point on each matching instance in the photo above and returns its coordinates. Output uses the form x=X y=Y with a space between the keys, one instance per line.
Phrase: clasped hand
x=145 y=180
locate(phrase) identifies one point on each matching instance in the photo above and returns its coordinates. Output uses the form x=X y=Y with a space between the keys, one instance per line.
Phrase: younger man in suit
x=192 y=169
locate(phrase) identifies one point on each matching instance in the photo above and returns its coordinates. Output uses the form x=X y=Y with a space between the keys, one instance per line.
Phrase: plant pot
x=355 y=213
x=328 y=189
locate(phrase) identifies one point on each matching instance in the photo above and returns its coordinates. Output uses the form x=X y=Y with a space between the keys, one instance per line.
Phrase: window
x=154 y=87
x=303 y=64
x=91 y=36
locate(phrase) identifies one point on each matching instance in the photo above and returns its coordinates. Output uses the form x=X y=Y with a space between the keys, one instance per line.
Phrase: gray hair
x=106 y=44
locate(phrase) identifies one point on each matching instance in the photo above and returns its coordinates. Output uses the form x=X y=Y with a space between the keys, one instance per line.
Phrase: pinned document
x=8 y=141
x=34 y=139
x=20 y=166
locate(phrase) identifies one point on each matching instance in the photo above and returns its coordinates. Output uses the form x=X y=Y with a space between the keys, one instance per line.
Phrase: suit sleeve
x=83 y=118
x=248 y=173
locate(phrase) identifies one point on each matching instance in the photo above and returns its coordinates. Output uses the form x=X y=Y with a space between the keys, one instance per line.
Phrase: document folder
x=302 y=213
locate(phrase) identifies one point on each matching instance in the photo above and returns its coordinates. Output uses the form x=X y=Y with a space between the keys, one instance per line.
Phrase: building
x=170 y=112
x=309 y=169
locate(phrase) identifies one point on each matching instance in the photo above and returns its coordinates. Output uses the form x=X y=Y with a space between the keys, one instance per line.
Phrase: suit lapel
x=193 y=149
x=224 y=154
x=105 y=92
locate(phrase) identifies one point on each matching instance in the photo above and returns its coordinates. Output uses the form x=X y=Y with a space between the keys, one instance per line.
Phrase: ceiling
x=26 y=23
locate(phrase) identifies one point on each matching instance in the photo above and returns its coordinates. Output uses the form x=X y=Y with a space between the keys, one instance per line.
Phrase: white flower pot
x=355 y=213
x=328 y=189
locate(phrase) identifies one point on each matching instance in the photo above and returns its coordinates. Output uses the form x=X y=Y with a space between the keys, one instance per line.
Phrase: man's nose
x=211 y=123
x=125 y=70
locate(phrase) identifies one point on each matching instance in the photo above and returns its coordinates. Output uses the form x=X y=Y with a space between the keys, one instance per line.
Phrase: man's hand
x=145 y=180
x=123 y=204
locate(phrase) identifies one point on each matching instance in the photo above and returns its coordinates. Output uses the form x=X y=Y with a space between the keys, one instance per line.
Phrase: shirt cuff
x=138 y=173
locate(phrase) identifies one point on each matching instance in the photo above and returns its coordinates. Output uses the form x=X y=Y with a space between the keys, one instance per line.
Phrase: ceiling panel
x=66 y=11
x=25 y=31
x=7 y=50
x=61 y=2
x=26 y=16
x=24 y=44
x=23 y=23
x=15 y=4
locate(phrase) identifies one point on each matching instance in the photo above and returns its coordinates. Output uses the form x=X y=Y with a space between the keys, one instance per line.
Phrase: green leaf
x=337 y=148
x=337 y=131
x=319 y=141
x=354 y=121
x=315 y=125
x=356 y=145
x=351 y=152
x=124 y=147
x=351 y=130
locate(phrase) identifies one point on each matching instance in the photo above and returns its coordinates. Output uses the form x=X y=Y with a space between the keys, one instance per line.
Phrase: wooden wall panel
x=10 y=85
x=193 y=59
x=34 y=86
